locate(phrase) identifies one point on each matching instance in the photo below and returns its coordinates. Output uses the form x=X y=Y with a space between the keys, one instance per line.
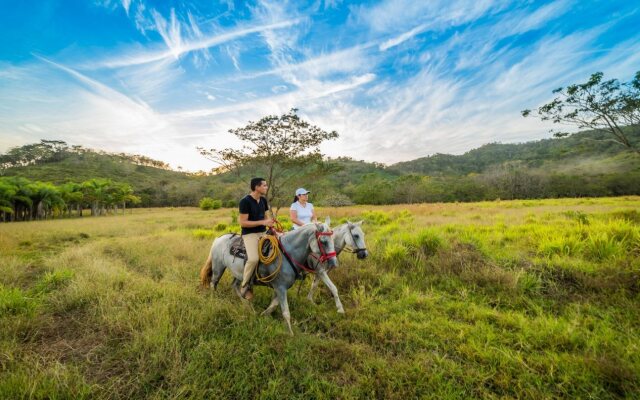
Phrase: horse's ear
x=359 y=223
x=328 y=221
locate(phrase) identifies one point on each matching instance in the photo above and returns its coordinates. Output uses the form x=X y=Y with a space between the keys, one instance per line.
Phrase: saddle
x=237 y=248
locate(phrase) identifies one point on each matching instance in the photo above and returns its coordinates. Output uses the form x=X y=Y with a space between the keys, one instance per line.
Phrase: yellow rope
x=269 y=258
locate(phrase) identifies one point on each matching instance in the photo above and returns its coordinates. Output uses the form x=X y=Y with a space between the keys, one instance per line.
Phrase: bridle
x=349 y=249
x=324 y=256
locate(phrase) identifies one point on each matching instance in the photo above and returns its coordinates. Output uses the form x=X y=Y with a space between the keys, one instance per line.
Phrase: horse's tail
x=206 y=272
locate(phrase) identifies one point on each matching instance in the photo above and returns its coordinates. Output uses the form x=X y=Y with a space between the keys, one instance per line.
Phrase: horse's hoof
x=341 y=311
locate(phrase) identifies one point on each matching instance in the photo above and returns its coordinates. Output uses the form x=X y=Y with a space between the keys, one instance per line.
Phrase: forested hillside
x=584 y=164
x=153 y=181
x=566 y=152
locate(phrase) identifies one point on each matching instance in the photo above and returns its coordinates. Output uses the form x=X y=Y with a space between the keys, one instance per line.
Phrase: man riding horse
x=254 y=223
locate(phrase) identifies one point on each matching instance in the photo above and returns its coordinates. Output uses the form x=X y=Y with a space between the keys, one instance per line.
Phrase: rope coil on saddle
x=273 y=253
x=269 y=258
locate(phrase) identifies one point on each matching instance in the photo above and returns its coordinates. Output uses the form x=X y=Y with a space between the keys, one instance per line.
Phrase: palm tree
x=95 y=193
x=46 y=198
x=21 y=201
x=72 y=195
x=7 y=193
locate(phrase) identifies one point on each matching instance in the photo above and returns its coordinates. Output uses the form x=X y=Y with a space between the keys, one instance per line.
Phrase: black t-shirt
x=256 y=211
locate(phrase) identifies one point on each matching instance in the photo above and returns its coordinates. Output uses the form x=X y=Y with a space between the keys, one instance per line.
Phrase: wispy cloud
x=387 y=44
x=398 y=79
x=126 y=4
x=315 y=90
x=393 y=15
x=177 y=47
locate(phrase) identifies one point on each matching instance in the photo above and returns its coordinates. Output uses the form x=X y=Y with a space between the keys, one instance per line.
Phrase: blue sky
x=397 y=79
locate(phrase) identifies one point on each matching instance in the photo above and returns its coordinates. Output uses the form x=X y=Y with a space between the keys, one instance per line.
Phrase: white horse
x=298 y=245
x=348 y=237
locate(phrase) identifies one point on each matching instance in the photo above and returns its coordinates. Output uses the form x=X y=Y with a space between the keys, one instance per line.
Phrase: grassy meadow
x=506 y=299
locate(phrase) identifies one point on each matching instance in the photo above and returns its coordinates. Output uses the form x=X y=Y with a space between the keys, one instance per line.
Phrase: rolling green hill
x=584 y=164
x=156 y=186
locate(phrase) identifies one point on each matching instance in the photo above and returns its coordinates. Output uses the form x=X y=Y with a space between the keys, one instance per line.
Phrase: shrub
x=336 y=200
x=54 y=280
x=600 y=246
x=231 y=204
x=376 y=217
x=579 y=216
x=428 y=242
x=559 y=245
x=285 y=222
x=395 y=252
x=632 y=216
x=220 y=227
x=14 y=301
x=403 y=215
x=207 y=203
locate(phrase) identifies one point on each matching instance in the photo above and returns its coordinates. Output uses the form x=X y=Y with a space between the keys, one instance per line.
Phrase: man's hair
x=255 y=182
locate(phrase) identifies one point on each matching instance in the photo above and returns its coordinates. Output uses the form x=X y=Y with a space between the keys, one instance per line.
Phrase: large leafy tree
x=602 y=105
x=284 y=149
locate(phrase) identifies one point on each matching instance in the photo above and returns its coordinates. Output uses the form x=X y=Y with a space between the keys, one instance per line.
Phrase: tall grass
x=524 y=299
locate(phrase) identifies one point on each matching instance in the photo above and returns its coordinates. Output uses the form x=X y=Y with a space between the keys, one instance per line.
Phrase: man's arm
x=245 y=223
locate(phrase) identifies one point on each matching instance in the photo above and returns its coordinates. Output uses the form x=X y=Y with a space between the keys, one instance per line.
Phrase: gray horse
x=348 y=236
x=313 y=238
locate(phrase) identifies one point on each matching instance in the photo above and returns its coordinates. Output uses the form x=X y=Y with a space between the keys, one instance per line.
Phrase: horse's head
x=355 y=239
x=323 y=244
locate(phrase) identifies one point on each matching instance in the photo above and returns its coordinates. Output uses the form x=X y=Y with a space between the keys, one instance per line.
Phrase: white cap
x=300 y=191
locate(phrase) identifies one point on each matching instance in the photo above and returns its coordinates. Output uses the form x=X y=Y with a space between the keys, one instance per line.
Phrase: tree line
x=507 y=182
x=24 y=200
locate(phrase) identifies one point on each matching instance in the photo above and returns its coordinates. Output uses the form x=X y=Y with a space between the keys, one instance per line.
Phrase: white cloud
x=126 y=4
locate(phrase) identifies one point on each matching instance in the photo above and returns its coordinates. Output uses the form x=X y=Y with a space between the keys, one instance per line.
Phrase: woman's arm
x=293 y=215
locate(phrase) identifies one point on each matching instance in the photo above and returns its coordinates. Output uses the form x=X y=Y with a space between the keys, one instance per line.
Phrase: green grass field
x=518 y=299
